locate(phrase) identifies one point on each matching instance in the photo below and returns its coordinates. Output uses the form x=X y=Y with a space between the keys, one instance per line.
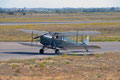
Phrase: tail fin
x=86 y=41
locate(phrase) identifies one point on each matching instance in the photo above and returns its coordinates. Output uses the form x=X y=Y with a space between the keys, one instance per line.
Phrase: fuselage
x=49 y=41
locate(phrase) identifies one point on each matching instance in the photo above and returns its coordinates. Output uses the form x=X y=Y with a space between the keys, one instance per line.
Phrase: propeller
x=41 y=36
x=36 y=37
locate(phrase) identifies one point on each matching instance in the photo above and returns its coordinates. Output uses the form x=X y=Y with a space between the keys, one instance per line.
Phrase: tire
x=41 y=51
x=57 y=51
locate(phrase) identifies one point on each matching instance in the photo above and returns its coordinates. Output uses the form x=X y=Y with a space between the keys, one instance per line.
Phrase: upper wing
x=75 y=33
x=34 y=31
x=71 y=33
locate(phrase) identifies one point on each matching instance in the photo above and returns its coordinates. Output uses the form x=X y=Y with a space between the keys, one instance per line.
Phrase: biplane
x=60 y=40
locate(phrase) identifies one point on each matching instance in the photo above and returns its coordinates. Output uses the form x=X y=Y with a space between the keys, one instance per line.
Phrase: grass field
x=60 y=17
x=87 y=67
x=110 y=31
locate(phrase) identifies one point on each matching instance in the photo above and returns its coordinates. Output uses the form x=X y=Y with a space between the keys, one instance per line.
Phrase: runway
x=53 y=22
x=14 y=50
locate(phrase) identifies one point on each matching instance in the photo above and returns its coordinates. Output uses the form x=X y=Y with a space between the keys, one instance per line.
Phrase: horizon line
x=62 y=7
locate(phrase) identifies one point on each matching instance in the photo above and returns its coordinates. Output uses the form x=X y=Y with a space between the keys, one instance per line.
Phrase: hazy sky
x=59 y=3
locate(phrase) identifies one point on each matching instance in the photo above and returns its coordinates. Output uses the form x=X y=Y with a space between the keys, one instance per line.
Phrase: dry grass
x=110 y=31
x=104 y=67
x=60 y=17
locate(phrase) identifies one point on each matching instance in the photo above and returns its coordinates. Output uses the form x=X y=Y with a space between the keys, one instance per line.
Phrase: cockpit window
x=58 y=37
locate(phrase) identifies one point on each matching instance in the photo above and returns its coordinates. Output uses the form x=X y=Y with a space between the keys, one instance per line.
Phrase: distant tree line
x=24 y=11
x=12 y=11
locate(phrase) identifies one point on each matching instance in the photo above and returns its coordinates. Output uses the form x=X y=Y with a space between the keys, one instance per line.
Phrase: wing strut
x=81 y=38
x=77 y=37
x=32 y=38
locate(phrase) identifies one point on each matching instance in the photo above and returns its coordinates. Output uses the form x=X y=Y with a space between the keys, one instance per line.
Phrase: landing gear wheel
x=41 y=51
x=57 y=51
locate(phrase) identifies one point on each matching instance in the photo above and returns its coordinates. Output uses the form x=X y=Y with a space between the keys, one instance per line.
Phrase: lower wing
x=30 y=44
x=79 y=47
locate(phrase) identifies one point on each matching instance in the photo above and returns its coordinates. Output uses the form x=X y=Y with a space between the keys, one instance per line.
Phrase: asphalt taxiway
x=58 y=22
x=14 y=50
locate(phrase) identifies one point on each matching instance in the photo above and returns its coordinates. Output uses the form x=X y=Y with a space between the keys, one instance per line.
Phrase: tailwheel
x=86 y=49
x=57 y=51
x=41 y=51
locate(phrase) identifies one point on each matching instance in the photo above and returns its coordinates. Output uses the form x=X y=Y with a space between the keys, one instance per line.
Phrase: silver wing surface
x=70 y=33
x=79 y=33
x=72 y=47
x=34 y=31
x=29 y=44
